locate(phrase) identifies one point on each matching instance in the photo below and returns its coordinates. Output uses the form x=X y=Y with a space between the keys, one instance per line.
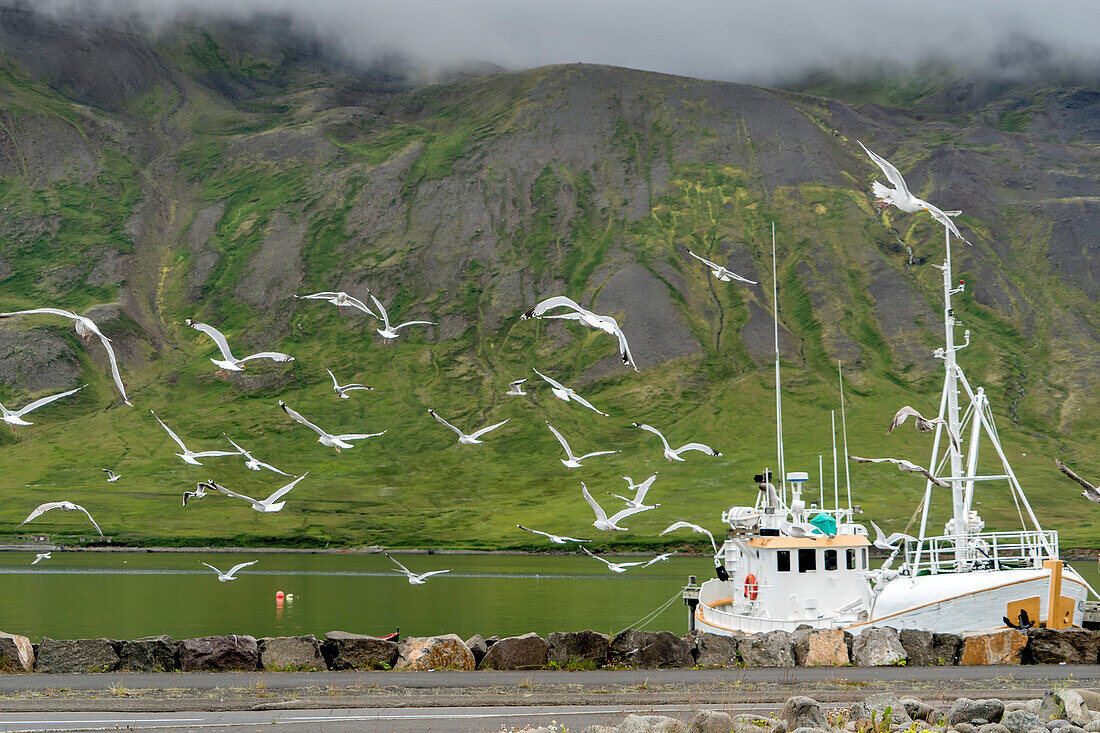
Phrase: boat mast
x=844 y=428
x=951 y=390
x=778 y=398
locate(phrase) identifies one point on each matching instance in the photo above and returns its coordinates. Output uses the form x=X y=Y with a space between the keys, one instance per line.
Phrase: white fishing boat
x=787 y=563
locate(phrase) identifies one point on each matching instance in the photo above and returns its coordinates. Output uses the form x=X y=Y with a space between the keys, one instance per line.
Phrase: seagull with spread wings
x=463 y=438
x=1090 y=492
x=200 y=491
x=250 y=462
x=607 y=324
x=674 y=455
x=415 y=579
x=616 y=567
x=340 y=299
x=900 y=196
x=388 y=332
x=721 y=272
x=271 y=503
x=904 y=465
x=111 y=475
x=883 y=542
x=515 y=388
x=332 y=441
x=343 y=390
x=85 y=328
x=640 y=490
x=188 y=455
x=15 y=417
x=567 y=394
x=229 y=575
x=574 y=461
x=65 y=506
x=228 y=362
x=39 y=557
x=694 y=528
x=924 y=424
x=556 y=539
x=604 y=522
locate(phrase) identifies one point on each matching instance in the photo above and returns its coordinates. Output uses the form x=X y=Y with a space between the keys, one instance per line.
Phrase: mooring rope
x=654 y=614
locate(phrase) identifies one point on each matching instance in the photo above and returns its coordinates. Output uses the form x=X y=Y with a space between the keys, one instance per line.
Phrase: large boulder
x=578 y=649
x=999 y=647
x=62 y=656
x=291 y=653
x=477 y=647
x=1021 y=721
x=875 y=707
x=711 y=721
x=517 y=652
x=879 y=647
x=16 y=653
x=650 y=724
x=717 y=650
x=434 y=652
x=919 y=710
x=804 y=712
x=945 y=649
x=821 y=648
x=1064 y=705
x=148 y=654
x=966 y=710
x=649 y=649
x=773 y=649
x=919 y=647
x=232 y=653
x=1062 y=646
x=343 y=650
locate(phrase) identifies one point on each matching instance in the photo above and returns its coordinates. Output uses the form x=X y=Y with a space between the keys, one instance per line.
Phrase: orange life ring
x=751 y=588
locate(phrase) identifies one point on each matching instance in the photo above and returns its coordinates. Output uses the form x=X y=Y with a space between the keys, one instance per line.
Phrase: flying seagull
x=904 y=465
x=566 y=394
x=556 y=539
x=65 y=506
x=603 y=522
x=15 y=417
x=1090 y=492
x=226 y=577
x=251 y=462
x=463 y=438
x=327 y=439
x=271 y=503
x=924 y=424
x=42 y=556
x=189 y=456
x=883 y=542
x=640 y=490
x=343 y=390
x=111 y=475
x=228 y=362
x=515 y=388
x=391 y=333
x=200 y=491
x=720 y=272
x=339 y=298
x=607 y=324
x=615 y=567
x=693 y=528
x=415 y=579
x=900 y=196
x=574 y=461
x=674 y=455
x=85 y=328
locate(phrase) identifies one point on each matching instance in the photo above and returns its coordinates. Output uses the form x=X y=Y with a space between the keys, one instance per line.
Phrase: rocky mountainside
x=212 y=172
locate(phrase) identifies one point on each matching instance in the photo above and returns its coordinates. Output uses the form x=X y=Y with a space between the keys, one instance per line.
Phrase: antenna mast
x=844 y=428
x=778 y=397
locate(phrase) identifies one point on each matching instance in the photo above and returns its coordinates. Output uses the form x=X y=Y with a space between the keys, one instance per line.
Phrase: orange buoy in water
x=279 y=595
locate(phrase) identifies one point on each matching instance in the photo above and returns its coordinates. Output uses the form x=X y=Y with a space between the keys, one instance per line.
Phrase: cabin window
x=830 y=559
x=865 y=564
x=783 y=561
x=851 y=558
x=807 y=561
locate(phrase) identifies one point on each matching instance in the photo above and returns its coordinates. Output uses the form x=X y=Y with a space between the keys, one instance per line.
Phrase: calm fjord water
x=129 y=595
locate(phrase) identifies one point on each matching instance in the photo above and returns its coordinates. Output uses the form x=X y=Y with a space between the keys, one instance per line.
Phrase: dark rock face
x=966 y=711
x=343 y=650
x=58 y=656
x=651 y=650
x=773 y=649
x=1068 y=646
x=233 y=653
x=716 y=650
x=919 y=710
x=945 y=648
x=291 y=653
x=477 y=647
x=148 y=654
x=919 y=647
x=579 y=648
x=517 y=652
x=804 y=712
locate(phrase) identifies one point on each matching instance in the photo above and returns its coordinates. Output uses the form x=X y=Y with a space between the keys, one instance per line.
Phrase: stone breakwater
x=1065 y=711
x=340 y=650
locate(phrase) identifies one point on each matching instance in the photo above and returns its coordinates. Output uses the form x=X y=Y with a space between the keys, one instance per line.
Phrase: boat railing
x=984 y=551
